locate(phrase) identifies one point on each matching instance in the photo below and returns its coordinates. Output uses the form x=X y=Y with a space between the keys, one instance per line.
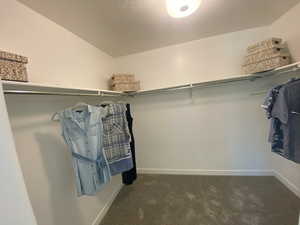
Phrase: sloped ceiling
x=123 y=27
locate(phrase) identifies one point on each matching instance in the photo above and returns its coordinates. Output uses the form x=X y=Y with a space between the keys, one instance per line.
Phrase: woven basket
x=264 y=45
x=266 y=65
x=128 y=87
x=265 y=55
x=13 y=67
x=122 y=78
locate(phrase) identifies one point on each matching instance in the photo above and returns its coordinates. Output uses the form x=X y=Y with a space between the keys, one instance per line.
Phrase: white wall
x=15 y=207
x=222 y=131
x=56 y=57
x=287 y=27
x=206 y=59
x=46 y=162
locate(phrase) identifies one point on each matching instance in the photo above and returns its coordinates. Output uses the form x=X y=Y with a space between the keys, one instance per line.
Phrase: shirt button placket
x=88 y=151
x=87 y=146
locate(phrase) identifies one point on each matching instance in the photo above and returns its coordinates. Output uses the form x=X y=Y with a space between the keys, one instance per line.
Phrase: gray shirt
x=285 y=106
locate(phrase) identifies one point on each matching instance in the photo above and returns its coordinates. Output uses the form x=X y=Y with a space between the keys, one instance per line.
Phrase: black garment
x=276 y=133
x=130 y=175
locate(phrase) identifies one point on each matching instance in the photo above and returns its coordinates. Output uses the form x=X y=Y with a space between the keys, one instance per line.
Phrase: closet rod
x=216 y=83
x=263 y=92
x=197 y=85
x=18 y=92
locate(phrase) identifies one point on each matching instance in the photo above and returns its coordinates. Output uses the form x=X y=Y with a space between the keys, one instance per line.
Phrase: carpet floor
x=204 y=200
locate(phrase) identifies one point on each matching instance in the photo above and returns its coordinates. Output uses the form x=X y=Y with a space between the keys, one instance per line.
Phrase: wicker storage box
x=263 y=45
x=131 y=86
x=13 y=67
x=266 y=54
x=266 y=65
x=122 y=78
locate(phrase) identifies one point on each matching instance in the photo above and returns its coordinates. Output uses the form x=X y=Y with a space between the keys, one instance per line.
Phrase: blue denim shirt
x=82 y=131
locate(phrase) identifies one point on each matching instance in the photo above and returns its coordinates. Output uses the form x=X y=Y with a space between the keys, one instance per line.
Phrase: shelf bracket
x=255 y=78
x=191 y=92
x=296 y=68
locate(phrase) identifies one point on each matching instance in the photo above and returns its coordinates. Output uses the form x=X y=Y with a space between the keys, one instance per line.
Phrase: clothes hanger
x=122 y=102
x=105 y=103
x=55 y=117
x=293 y=79
x=80 y=106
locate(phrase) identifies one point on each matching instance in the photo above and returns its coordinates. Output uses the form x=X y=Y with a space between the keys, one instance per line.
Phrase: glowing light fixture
x=182 y=8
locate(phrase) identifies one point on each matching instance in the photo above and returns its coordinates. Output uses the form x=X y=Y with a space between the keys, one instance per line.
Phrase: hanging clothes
x=285 y=121
x=116 y=139
x=82 y=131
x=276 y=133
x=130 y=176
x=270 y=100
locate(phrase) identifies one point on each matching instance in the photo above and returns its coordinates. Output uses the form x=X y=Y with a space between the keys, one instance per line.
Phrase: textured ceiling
x=122 y=27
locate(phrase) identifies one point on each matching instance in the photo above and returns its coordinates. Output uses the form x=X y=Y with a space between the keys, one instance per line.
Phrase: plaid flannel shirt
x=116 y=139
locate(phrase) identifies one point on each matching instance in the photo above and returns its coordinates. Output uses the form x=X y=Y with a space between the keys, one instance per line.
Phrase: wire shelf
x=20 y=88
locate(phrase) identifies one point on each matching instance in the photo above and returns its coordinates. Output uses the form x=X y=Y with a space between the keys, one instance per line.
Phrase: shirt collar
x=69 y=112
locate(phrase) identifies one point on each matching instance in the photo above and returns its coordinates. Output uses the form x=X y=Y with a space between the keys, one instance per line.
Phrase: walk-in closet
x=150 y=112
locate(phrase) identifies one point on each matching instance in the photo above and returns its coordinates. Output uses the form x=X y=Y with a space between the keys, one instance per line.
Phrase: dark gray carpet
x=204 y=200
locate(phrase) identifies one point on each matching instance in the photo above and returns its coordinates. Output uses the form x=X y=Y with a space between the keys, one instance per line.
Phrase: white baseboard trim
x=206 y=172
x=106 y=207
x=290 y=185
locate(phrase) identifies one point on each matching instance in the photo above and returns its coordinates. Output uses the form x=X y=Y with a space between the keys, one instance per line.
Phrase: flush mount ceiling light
x=182 y=8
